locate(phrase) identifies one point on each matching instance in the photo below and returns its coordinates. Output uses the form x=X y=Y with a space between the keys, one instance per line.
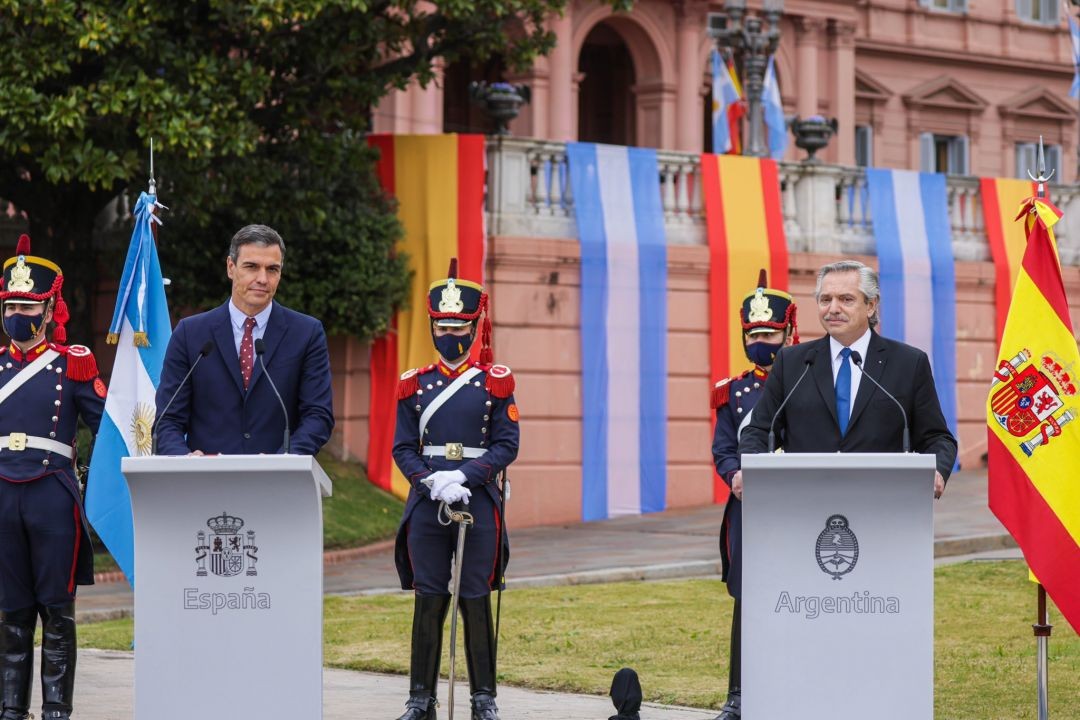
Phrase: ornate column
x=689 y=22
x=562 y=117
x=843 y=45
x=807 y=41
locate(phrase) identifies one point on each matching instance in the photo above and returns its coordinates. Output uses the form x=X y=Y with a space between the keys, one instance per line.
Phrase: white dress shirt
x=238 y=318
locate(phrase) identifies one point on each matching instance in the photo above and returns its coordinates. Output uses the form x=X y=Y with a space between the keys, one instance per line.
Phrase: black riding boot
x=732 y=709
x=58 y=649
x=480 y=656
x=429 y=614
x=16 y=662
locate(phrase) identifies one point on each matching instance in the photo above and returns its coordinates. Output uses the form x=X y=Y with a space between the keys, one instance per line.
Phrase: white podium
x=838 y=586
x=228 y=586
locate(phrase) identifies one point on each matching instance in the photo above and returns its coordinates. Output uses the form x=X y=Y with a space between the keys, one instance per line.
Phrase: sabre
x=464 y=520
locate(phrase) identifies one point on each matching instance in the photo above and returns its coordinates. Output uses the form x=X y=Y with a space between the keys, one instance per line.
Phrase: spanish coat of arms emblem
x=1028 y=398
x=228 y=550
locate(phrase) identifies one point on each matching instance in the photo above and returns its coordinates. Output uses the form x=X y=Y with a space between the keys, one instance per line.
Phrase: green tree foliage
x=257 y=111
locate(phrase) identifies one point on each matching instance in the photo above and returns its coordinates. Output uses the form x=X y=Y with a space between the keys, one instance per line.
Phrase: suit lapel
x=823 y=376
x=276 y=327
x=226 y=345
x=875 y=364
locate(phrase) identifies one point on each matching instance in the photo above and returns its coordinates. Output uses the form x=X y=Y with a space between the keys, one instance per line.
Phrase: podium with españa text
x=228 y=585
x=838 y=586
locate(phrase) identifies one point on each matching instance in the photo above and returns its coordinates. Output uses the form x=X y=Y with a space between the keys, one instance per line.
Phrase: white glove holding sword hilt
x=448 y=486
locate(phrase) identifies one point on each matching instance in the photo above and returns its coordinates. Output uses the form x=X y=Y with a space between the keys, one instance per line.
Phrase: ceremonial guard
x=44 y=538
x=768 y=322
x=457 y=431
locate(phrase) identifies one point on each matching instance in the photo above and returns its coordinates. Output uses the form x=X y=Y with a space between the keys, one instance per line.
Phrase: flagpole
x=1042 y=639
x=1042 y=628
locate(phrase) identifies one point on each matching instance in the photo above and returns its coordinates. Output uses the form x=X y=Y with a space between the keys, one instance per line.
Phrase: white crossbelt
x=461 y=381
x=26 y=373
x=19 y=441
x=440 y=451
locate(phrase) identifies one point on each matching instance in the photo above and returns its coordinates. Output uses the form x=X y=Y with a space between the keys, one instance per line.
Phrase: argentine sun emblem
x=450 y=299
x=837 y=548
x=142 y=427
x=1028 y=398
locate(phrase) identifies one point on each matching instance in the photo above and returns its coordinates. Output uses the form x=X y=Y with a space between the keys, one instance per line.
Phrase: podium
x=838 y=586
x=228 y=585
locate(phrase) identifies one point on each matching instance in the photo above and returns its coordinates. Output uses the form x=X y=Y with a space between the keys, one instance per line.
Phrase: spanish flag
x=745 y=228
x=1032 y=412
x=1006 y=236
x=438 y=181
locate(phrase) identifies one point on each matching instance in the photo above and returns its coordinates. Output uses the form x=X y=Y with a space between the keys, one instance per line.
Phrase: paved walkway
x=677 y=543
x=103 y=692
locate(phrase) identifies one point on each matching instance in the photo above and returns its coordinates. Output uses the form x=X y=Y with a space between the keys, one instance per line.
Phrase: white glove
x=439 y=480
x=455 y=492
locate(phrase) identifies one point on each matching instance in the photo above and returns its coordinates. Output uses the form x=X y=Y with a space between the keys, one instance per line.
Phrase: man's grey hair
x=261 y=235
x=868 y=283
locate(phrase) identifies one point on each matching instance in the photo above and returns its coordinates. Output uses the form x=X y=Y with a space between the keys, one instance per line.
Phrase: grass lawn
x=675 y=635
x=356 y=514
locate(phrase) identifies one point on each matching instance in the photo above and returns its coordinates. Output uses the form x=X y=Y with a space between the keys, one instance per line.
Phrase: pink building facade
x=948 y=86
x=940 y=85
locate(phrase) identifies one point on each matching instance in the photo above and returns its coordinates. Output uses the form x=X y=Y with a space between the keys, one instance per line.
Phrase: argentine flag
x=774 y=113
x=141 y=327
x=1074 y=35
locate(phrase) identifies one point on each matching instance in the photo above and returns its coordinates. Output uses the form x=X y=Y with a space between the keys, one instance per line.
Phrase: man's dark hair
x=261 y=235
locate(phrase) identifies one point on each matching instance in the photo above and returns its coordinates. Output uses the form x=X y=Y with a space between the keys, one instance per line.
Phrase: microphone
x=808 y=362
x=260 y=348
x=205 y=350
x=857 y=359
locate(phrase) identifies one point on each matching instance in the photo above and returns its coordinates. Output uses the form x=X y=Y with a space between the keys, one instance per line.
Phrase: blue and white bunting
x=142 y=329
x=620 y=223
x=910 y=217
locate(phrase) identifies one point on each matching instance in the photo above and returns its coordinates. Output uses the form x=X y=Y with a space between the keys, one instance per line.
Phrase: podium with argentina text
x=228 y=585
x=838 y=586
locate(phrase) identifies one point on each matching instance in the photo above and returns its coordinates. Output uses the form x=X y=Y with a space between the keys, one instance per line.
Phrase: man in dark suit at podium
x=836 y=409
x=227 y=406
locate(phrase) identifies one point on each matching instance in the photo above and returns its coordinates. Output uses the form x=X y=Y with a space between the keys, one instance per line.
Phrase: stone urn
x=501 y=101
x=812 y=134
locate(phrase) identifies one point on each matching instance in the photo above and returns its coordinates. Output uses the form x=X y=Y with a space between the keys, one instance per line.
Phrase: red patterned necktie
x=247 y=352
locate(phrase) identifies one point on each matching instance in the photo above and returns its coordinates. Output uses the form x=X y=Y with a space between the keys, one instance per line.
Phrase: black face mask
x=451 y=347
x=23 y=328
x=763 y=354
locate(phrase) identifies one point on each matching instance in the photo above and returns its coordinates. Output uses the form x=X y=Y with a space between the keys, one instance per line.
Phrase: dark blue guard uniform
x=457 y=423
x=763 y=311
x=45 y=549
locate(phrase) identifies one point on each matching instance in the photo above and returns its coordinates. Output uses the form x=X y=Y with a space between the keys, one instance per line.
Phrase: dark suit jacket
x=808 y=422
x=212 y=412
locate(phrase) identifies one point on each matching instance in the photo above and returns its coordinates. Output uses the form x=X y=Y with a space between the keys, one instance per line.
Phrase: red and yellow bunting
x=438 y=181
x=1032 y=412
x=745 y=225
x=1000 y=198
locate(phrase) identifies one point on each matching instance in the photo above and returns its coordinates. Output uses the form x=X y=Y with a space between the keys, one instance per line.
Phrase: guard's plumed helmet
x=28 y=278
x=453 y=302
x=768 y=310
